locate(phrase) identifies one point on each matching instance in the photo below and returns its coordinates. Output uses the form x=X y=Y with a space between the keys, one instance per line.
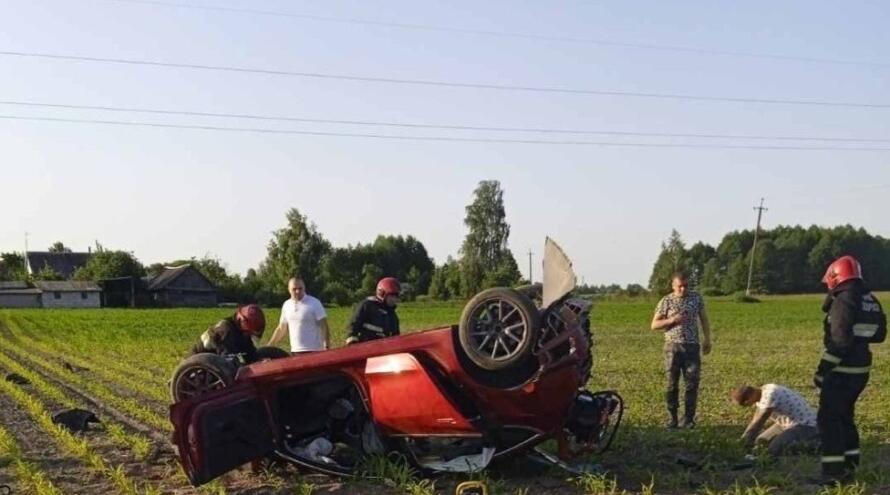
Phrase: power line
x=451 y=84
x=434 y=138
x=506 y=34
x=434 y=126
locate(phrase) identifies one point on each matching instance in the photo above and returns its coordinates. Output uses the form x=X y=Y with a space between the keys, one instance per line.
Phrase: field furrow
x=101 y=392
x=26 y=476
x=93 y=364
x=138 y=444
x=49 y=439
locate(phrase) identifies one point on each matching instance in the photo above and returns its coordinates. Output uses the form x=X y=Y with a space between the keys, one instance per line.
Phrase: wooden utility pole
x=760 y=209
x=530 y=279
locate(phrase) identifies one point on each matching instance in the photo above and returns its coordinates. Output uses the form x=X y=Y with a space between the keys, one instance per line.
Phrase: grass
x=30 y=478
x=777 y=340
x=74 y=445
x=138 y=444
x=126 y=404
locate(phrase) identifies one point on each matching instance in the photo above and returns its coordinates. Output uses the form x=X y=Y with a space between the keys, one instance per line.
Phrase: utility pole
x=27 y=270
x=760 y=209
x=530 y=279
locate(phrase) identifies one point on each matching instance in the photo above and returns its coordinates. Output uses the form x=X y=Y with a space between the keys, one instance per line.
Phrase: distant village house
x=69 y=294
x=63 y=264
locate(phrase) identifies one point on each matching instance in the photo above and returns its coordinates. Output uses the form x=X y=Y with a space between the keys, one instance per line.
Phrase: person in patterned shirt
x=678 y=315
x=794 y=421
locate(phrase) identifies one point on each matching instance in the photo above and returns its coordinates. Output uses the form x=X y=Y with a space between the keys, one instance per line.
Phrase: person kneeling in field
x=234 y=335
x=794 y=429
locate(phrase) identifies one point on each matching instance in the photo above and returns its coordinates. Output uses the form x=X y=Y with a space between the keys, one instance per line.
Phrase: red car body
x=418 y=394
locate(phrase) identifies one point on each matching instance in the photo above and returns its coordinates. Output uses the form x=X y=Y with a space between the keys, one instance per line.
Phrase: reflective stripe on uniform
x=866 y=330
x=207 y=340
x=818 y=378
x=830 y=358
x=828 y=459
x=852 y=370
x=852 y=452
x=373 y=328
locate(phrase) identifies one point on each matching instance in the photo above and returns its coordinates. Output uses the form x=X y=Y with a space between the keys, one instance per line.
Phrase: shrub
x=741 y=297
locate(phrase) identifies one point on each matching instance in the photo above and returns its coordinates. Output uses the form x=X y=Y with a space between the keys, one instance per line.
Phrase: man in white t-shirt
x=304 y=319
x=794 y=421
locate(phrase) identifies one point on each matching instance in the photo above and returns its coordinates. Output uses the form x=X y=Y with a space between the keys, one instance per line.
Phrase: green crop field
x=123 y=358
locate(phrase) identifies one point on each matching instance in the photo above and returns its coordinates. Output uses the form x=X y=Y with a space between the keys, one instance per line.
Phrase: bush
x=711 y=291
x=741 y=297
x=423 y=298
x=338 y=294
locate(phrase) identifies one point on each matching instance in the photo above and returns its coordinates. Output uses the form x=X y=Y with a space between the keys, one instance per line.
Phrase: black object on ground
x=743 y=464
x=75 y=420
x=18 y=380
x=75 y=369
x=690 y=463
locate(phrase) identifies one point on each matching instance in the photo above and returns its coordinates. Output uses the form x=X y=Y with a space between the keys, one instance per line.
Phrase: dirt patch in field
x=37 y=447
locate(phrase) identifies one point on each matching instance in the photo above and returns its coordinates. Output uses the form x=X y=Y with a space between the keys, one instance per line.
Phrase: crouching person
x=234 y=335
x=794 y=427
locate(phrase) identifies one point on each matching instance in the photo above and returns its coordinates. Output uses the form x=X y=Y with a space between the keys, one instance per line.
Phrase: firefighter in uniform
x=854 y=319
x=375 y=317
x=234 y=335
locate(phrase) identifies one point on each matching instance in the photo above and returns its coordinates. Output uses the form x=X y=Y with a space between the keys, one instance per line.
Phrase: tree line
x=788 y=259
x=339 y=275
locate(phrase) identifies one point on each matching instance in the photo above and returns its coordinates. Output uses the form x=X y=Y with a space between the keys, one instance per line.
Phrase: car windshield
x=559 y=278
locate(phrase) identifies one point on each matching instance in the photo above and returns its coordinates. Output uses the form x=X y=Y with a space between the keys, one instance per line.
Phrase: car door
x=220 y=431
x=405 y=401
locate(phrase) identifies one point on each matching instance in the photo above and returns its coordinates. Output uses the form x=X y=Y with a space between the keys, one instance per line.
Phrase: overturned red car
x=508 y=377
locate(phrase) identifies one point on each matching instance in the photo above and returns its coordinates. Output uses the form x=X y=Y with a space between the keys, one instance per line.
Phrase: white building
x=69 y=294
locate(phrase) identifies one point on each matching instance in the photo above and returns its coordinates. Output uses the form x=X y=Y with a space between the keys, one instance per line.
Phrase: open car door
x=218 y=432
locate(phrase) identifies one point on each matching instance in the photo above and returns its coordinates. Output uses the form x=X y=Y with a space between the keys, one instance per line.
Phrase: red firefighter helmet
x=388 y=286
x=840 y=270
x=251 y=319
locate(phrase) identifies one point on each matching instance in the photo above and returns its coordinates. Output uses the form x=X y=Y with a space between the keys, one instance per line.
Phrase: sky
x=170 y=193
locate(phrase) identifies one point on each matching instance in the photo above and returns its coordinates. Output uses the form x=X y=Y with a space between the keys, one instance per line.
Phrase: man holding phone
x=677 y=316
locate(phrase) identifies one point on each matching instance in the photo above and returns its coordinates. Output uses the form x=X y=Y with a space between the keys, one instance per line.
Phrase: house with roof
x=182 y=285
x=18 y=295
x=64 y=264
x=69 y=294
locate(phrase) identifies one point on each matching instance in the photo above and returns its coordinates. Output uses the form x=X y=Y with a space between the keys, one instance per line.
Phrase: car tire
x=498 y=328
x=199 y=374
x=269 y=352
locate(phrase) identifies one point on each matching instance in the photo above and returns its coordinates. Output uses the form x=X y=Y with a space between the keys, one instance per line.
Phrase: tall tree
x=370 y=275
x=445 y=283
x=298 y=249
x=484 y=250
x=12 y=267
x=672 y=258
x=790 y=258
x=110 y=264
x=696 y=258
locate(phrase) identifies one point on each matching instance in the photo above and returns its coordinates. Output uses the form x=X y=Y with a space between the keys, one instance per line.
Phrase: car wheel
x=269 y=352
x=498 y=328
x=200 y=374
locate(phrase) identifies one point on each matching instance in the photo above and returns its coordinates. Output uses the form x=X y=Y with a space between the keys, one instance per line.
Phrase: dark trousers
x=837 y=426
x=682 y=359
